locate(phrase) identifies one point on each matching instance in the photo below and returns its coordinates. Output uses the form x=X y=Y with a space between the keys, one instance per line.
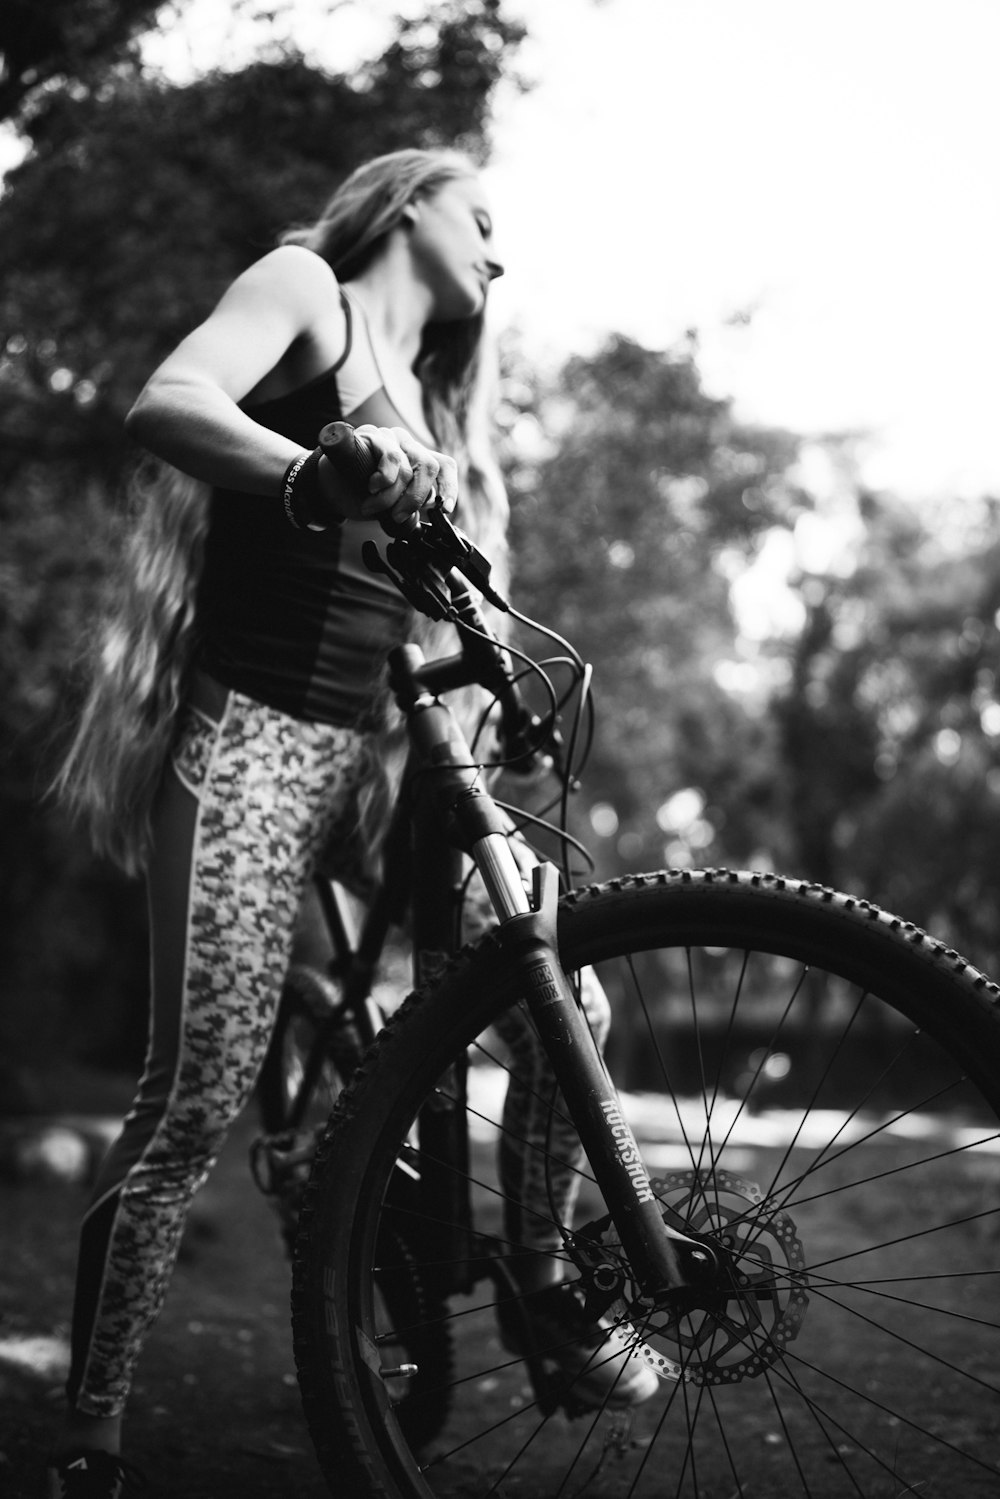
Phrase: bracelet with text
x=300 y=494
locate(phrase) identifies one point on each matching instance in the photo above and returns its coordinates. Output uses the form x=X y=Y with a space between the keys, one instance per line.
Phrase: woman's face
x=451 y=242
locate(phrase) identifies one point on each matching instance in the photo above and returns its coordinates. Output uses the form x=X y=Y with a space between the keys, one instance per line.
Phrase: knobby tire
x=816 y=1088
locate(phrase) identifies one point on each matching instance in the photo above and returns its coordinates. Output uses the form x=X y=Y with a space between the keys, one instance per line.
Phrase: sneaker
x=92 y=1475
x=574 y=1361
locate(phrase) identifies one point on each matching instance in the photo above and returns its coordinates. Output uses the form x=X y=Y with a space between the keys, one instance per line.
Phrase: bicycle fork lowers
x=663 y=1261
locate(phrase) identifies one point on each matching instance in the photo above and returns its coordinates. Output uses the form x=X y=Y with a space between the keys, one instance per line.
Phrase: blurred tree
x=141 y=200
x=138 y=202
x=637 y=499
x=626 y=531
x=63 y=40
x=868 y=756
x=889 y=731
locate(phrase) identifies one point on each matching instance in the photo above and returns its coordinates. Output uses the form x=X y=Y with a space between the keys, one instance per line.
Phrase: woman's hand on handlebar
x=392 y=475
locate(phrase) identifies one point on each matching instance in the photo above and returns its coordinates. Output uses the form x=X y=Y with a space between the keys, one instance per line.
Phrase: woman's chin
x=461 y=305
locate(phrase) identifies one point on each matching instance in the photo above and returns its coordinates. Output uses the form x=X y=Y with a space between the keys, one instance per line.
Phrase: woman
x=237 y=715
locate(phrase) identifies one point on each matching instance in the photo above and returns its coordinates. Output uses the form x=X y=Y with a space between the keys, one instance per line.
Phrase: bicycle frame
x=452 y=805
x=383 y=1350
x=445 y=811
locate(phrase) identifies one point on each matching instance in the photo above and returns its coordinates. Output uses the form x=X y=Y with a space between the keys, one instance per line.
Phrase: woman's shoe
x=92 y=1474
x=574 y=1361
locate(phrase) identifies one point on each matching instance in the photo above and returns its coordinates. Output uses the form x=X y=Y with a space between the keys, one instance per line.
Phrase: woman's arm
x=188 y=412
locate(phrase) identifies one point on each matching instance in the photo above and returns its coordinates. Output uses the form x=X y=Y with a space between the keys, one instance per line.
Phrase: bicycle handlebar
x=355 y=460
x=429 y=560
x=424 y=548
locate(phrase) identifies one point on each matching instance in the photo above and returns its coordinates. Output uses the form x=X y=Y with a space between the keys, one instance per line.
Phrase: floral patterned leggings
x=244 y=813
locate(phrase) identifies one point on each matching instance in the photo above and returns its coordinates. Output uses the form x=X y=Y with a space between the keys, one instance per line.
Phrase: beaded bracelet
x=300 y=493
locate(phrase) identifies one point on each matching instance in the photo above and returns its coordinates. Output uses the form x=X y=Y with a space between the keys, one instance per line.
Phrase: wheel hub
x=735 y=1322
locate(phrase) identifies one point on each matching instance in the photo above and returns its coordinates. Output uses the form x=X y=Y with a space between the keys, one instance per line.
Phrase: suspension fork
x=662 y=1258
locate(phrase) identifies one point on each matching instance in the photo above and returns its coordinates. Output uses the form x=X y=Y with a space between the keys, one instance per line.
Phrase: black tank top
x=293 y=618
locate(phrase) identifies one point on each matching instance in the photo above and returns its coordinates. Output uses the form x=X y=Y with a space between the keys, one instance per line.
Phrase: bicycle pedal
x=278 y=1162
x=551 y=1391
x=576 y=1364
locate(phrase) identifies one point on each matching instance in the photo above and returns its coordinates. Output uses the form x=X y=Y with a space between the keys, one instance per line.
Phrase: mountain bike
x=785 y=1198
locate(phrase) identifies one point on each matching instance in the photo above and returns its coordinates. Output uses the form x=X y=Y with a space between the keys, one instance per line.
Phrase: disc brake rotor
x=737 y=1324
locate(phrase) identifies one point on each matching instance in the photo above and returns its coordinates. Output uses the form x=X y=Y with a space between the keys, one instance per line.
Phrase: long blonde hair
x=140 y=668
x=349 y=234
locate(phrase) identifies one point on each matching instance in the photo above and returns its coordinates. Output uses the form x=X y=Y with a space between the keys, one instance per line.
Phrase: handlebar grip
x=356 y=460
x=353 y=457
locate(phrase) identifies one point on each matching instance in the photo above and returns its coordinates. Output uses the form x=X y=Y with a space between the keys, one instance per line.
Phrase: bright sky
x=826 y=169
x=829 y=168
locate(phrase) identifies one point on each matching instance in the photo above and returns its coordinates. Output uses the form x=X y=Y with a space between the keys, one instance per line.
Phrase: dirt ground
x=215 y=1413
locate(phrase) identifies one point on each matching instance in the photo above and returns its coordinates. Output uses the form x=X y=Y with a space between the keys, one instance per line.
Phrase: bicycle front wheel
x=815 y=1086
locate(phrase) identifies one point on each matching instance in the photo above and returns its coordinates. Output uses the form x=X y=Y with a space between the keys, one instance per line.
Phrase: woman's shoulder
x=295 y=265
x=299 y=287
x=301 y=283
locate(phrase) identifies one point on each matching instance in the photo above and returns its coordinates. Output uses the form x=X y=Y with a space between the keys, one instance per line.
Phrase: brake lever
x=419 y=560
x=425 y=589
x=438 y=545
x=423 y=549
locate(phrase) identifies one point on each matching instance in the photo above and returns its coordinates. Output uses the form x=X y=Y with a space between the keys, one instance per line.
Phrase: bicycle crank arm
x=662 y=1257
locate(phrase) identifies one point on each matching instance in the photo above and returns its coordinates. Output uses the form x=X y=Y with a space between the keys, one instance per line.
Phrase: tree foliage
x=46 y=40
x=141 y=200
x=625 y=533
x=866 y=755
x=137 y=203
x=889 y=730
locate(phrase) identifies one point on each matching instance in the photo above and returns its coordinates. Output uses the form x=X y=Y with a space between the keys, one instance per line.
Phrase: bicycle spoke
x=923 y=1232
x=532 y=1145
x=770 y=1383
x=867 y=1287
x=897 y=1337
x=873 y=1134
x=821 y=1416
x=895 y=1414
